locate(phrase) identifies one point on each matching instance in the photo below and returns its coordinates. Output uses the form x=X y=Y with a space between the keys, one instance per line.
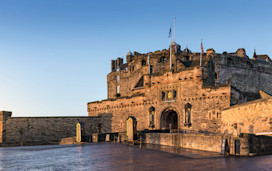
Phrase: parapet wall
x=48 y=130
x=252 y=117
x=248 y=145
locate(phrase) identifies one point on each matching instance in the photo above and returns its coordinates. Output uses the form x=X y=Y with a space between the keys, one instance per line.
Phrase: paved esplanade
x=108 y=156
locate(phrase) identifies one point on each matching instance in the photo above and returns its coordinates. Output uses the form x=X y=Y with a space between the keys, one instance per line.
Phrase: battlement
x=129 y=78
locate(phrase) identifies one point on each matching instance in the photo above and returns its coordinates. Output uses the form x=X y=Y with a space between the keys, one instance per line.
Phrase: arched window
x=151 y=117
x=187 y=118
x=216 y=75
x=143 y=62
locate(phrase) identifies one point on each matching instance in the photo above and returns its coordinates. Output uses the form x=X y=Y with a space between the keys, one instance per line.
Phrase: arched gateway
x=169 y=119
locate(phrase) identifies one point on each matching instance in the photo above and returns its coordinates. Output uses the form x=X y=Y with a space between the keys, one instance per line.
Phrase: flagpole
x=149 y=63
x=201 y=53
x=201 y=59
x=175 y=29
x=170 y=52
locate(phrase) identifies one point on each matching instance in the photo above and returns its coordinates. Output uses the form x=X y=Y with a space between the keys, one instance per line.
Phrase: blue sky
x=55 y=54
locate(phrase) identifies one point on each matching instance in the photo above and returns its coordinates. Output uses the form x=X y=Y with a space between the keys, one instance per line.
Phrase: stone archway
x=169 y=119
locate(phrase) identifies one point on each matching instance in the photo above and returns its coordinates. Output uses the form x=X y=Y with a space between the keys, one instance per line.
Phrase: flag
x=170 y=32
x=202 y=47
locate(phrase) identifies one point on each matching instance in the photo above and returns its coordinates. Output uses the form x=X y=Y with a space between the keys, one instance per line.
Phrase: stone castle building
x=187 y=96
x=228 y=93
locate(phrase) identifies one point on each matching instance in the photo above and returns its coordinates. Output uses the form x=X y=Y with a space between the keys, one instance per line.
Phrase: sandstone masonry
x=187 y=96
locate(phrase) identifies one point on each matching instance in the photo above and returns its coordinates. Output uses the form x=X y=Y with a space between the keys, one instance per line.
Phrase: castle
x=226 y=94
x=195 y=92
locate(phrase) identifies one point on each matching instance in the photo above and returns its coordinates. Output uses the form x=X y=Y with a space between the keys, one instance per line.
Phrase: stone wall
x=222 y=80
x=245 y=75
x=205 y=142
x=250 y=145
x=251 y=117
x=260 y=145
x=206 y=102
x=47 y=130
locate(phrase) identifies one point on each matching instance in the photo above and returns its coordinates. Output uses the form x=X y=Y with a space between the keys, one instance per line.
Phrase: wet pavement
x=109 y=156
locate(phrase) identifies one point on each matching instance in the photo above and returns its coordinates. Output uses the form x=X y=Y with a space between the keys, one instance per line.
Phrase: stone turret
x=116 y=64
x=241 y=53
x=210 y=52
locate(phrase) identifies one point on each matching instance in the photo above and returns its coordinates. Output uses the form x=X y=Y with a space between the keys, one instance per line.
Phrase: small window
x=151 y=70
x=163 y=95
x=162 y=59
x=117 y=79
x=216 y=75
x=143 y=62
x=174 y=94
x=218 y=115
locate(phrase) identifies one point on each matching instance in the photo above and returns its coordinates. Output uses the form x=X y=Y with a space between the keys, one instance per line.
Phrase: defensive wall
x=46 y=130
x=243 y=145
x=253 y=117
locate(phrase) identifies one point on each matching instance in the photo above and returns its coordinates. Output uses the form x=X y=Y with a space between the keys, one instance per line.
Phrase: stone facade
x=253 y=117
x=248 y=144
x=184 y=96
x=187 y=96
x=46 y=130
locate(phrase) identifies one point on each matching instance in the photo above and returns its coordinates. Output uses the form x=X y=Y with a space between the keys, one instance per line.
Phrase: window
x=162 y=59
x=163 y=95
x=216 y=75
x=174 y=94
x=214 y=114
x=218 y=115
x=143 y=62
x=151 y=69
x=118 y=89
x=117 y=79
x=151 y=117
x=187 y=121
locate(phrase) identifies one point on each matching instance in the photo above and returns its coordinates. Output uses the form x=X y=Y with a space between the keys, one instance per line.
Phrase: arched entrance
x=169 y=119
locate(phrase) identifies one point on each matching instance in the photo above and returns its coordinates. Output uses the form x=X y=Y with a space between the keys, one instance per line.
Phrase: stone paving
x=109 y=156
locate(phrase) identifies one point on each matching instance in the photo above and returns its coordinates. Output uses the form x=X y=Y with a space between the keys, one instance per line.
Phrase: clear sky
x=55 y=54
